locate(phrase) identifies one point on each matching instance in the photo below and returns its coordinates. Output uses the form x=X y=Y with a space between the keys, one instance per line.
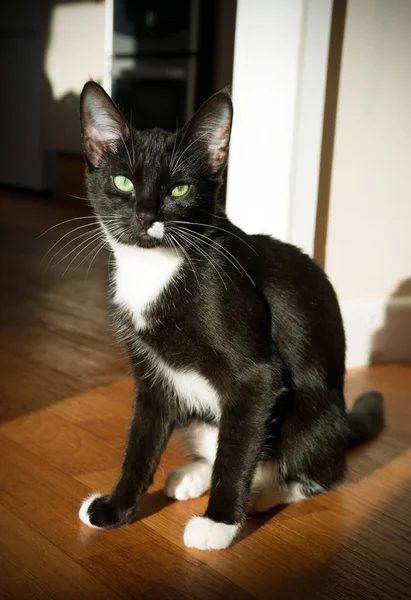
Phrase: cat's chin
x=141 y=241
x=146 y=241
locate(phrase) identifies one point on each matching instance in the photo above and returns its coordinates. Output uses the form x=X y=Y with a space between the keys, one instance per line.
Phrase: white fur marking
x=156 y=230
x=268 y=490
x=266 y=475
x=194 y=392
x=294 y=492
x=142 y=274
x=201 y=440
x=83 y=512
x=190 y=481
x=205 y=534
x=275 y=496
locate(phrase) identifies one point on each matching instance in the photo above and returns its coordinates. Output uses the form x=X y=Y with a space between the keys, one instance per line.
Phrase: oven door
x=155 y=27
x=155 y=92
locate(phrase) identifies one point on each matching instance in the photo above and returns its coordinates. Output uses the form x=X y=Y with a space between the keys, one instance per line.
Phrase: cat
x=234 y=340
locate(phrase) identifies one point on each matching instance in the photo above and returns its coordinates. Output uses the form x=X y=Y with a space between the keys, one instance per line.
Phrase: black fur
x=255 y=316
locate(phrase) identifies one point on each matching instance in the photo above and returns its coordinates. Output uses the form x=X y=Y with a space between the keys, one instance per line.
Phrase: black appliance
x=162 y=59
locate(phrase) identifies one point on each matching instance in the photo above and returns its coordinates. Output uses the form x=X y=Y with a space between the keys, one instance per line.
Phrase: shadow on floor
x=392 y=342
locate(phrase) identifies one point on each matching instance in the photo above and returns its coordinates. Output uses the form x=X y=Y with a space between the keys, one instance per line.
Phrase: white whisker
x=92 y=260
x=170 y=167
x=178 y=164
x=89 y=239
x=86 y=233
x=95 y=240
x=128 y=153
x=212 y=242
x=179 y=146
x=187 y=256
x=63 y=222
x=215 y=227
x=197 y=248
x=132 y=138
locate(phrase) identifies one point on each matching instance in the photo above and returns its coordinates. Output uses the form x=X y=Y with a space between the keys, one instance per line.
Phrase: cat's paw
x=189 y=481
x=100 y=512
x=205 y=534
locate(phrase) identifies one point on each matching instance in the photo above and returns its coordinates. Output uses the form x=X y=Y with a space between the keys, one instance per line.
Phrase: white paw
x=206 y=534
x=83 y=512
x=189 y=481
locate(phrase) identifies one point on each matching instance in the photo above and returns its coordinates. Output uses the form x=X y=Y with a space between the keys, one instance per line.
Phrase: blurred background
x=321 y=147
x=156 y=58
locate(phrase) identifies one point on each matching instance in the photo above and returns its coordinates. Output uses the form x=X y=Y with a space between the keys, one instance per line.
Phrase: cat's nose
x=145 y=220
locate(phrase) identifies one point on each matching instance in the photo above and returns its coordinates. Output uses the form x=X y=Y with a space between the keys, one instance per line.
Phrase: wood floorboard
x=33 y=567
x=62 y=427
x=55 y=338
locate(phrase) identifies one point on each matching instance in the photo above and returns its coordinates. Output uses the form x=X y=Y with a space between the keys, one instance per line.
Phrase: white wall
x=280 y=64
x=368 y=251
x=75 y=53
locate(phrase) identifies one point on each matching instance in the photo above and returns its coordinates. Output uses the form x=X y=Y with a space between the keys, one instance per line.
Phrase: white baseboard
x=377 y=330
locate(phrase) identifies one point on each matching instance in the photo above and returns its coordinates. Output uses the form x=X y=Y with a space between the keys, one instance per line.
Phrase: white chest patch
x=142 y=274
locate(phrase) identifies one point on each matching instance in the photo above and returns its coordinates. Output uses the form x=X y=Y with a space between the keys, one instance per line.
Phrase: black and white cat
x=235 y=339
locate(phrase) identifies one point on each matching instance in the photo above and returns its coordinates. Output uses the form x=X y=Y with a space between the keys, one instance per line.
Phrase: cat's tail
x=366 y=418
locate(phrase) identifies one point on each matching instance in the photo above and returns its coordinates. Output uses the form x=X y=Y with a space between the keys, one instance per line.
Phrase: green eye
x=180 y=190
x=123 y=183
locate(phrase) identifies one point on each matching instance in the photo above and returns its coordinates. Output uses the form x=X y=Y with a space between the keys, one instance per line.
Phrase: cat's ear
x=210 y=128
x=102 y=125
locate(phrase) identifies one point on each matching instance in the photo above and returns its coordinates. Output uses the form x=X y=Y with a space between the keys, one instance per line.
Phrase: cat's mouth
x=145 y=240
x=144 y=237
x=150 y=237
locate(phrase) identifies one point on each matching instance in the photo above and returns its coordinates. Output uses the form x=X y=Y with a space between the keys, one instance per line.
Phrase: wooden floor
x=59 y=442
x=55 y=340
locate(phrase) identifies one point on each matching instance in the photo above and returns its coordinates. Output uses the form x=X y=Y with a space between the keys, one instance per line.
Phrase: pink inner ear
x=102 y=124
x=99 y=134
x=107 y=128
x=102 y=133
x=218 y=131
x=94 y=150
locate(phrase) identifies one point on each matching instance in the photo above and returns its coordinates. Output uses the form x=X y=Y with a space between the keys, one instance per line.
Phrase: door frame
x=279 y=82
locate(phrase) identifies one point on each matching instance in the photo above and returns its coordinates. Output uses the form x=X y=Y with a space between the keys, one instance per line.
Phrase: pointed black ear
x=210 y=129
x=102 y=125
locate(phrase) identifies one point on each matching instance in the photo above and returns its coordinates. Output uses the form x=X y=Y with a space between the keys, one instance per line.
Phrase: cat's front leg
x=150 y=429
x=241 y=436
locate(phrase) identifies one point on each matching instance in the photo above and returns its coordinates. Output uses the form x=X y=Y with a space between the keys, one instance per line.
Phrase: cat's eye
x=180 y=190
x=123 y=183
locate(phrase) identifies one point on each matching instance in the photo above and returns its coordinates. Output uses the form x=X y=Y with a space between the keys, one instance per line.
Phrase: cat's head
x=141 y=182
